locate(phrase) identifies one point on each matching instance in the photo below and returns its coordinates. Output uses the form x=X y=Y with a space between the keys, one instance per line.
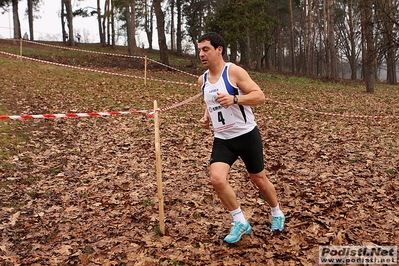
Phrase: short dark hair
x=215 y=39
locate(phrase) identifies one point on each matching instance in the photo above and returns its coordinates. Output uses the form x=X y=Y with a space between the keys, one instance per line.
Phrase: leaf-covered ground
x=83 y=191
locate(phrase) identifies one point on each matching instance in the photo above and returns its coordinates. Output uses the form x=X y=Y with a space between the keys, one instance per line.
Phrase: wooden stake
x=145 y=70
x=159 y=169
x=20 y=48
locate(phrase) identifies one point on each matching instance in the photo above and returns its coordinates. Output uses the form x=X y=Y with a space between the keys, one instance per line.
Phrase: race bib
x=222 y=118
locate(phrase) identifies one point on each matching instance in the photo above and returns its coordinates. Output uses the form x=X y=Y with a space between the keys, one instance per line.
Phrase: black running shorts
x=248 y=147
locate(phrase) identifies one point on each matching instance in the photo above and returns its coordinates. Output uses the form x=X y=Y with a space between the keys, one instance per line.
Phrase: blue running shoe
x=277 y=223
x=237 y=231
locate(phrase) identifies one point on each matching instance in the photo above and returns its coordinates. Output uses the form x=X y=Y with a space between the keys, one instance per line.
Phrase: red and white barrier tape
x=336 y=115
x=82 y=50
x=71 y=115
x=173 y=68
x=99 y=71
x=74 y=115
x=175 y=105
x=103 y=53
x=101 y=113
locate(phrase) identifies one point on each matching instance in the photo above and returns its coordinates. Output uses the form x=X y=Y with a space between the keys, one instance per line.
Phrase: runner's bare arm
x=253 y=94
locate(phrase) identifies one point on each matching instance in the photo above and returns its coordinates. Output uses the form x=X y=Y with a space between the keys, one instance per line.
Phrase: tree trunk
x=292 y=44
x=279 y=50
x=163 y=48
x=69 y=13
x=326 y=37
x=308 y=38
x=106 y=23
x=331 y=40
x=30 y=18
x=179 y=35
x=148 y=25
x=369 y=56
x=243 y=48
x=387 y=17
x=131 y=26
x=64 y=33
x=15 y=16
x=172 y=26
x=352 y=56
x=113 y=22
x=100 y=29
x=233 y=52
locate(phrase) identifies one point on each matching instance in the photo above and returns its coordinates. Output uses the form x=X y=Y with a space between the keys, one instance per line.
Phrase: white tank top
x=228 y=122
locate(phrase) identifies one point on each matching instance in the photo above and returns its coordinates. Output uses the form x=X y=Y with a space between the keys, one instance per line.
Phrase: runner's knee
x=218 y=179
x=259 y=179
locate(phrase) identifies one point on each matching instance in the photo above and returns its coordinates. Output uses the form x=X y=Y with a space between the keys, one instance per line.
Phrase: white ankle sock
x=276 y=211
x=238 y=215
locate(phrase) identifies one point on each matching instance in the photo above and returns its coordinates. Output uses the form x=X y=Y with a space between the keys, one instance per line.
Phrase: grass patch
x=391 y=171
x=33 y=194
x=10 y=139
x=147 y=202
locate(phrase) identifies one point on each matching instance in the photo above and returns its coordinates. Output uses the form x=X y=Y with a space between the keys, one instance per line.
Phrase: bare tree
x=113 y=22
x=308 y=37
x=386 y=12
x=69 y=12
x=172 y=25
x=63 y=15
x=331 y=50
x=99 y=21
x=179 y=34
x=17 y=24
x=66 y=11
x=32 y=5
x=145 y=14
x=348 y=32
x=352 y=56
x=368 y=51
x=292 y=43
x=163 y=48
x=107 y=23
x=131 y=26
x=30 y=19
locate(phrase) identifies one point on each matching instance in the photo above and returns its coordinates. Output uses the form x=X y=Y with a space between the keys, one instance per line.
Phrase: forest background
x=56 y=183
x=83 y=191
x=327 y=38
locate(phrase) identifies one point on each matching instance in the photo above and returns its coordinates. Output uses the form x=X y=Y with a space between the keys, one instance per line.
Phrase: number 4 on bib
x=221 y=118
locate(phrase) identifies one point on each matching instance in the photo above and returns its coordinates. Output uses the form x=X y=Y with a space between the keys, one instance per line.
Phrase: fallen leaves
x=83 y=191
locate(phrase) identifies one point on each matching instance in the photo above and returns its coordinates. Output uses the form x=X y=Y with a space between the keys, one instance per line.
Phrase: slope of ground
x=82 y=191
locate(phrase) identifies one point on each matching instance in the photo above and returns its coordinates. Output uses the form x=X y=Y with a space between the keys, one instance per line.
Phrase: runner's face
x=207 y=53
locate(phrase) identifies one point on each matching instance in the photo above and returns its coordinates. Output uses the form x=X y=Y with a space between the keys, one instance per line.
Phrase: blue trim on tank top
x=230 y=89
